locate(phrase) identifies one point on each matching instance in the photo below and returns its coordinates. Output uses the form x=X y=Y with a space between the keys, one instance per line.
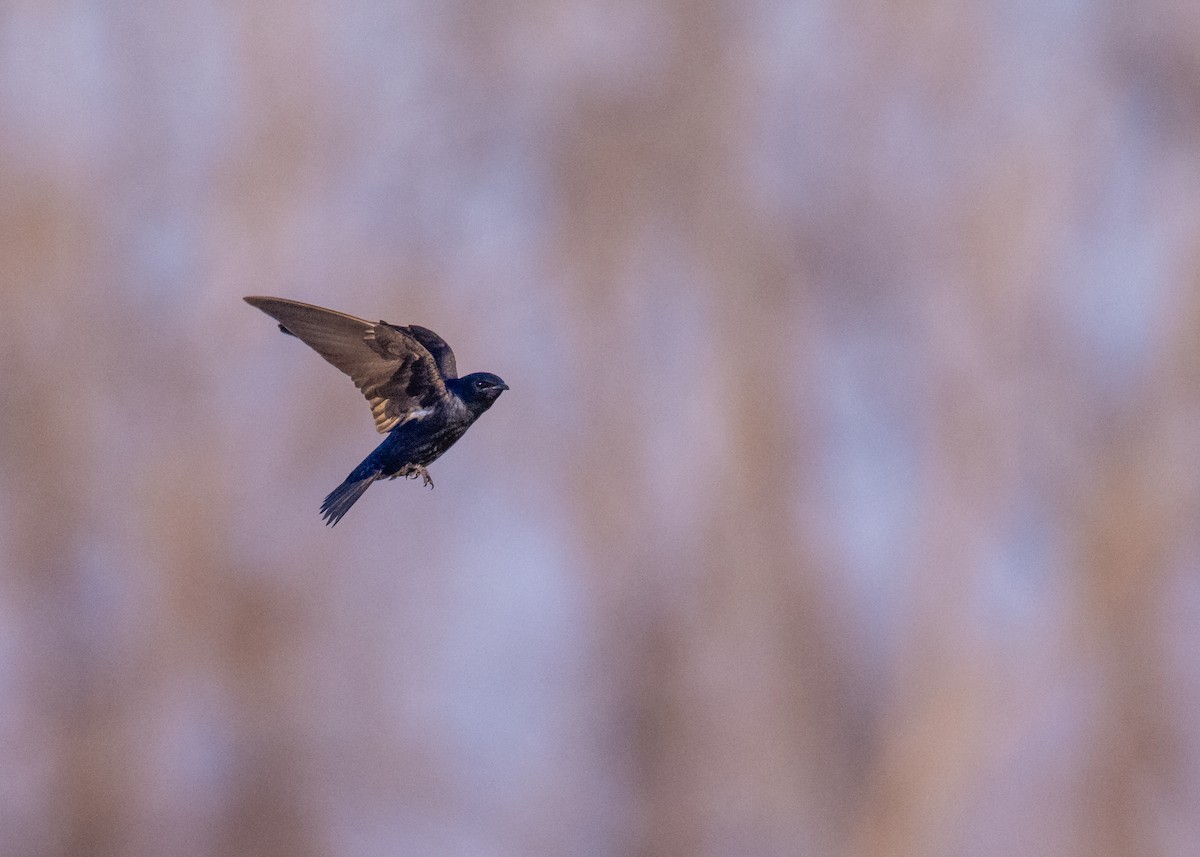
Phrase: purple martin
x=409 y=377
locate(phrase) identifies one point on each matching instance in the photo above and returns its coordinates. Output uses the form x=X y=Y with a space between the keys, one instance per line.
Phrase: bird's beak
x=503 y=386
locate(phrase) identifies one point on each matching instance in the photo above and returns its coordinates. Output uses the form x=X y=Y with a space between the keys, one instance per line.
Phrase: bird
x=409 y=377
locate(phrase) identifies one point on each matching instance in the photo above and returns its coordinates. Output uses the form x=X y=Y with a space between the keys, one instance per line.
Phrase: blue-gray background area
x=845 y=500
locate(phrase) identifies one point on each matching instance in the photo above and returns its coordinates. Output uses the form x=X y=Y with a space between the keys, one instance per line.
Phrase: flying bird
x=410 y=380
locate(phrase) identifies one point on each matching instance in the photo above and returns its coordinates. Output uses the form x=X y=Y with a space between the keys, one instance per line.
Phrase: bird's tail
x=340 y=500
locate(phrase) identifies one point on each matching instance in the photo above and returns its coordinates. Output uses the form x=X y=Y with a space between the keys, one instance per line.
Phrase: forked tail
x=340 y=500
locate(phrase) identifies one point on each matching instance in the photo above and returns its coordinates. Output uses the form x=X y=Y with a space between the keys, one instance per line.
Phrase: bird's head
x=480 y=389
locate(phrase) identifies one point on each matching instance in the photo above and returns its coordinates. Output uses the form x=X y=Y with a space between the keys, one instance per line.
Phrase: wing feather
x=401 y=376
x=436 y=346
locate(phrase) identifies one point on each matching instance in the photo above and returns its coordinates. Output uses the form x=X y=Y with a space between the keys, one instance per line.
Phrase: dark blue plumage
x=412 y=446
x=408 y=375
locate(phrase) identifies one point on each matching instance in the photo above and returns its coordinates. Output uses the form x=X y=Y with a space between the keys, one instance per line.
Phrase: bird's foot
x=415 y=470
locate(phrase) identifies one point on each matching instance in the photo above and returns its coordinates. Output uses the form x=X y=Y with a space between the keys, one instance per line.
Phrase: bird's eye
x=481 y=384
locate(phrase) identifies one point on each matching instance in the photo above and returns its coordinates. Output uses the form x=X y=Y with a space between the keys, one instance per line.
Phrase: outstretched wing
x=394 y=367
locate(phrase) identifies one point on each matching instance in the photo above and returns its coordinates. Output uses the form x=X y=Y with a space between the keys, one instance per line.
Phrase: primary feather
x=393 y=366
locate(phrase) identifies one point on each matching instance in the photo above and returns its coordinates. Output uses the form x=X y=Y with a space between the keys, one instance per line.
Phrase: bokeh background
x=845 y=501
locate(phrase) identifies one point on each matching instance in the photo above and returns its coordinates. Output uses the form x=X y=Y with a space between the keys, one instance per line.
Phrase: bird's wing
x=436 y=346
x=399 y=374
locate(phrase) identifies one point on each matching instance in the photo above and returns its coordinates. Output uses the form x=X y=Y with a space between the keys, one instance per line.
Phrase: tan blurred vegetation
x=844 y=502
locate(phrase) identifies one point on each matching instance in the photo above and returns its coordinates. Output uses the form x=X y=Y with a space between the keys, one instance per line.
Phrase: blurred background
x=844 y=502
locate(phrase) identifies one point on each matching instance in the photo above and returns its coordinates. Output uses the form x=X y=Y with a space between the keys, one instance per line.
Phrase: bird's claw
x=415 y=470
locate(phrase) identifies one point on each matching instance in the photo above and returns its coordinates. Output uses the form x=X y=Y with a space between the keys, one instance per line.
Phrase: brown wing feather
x=394 y=370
